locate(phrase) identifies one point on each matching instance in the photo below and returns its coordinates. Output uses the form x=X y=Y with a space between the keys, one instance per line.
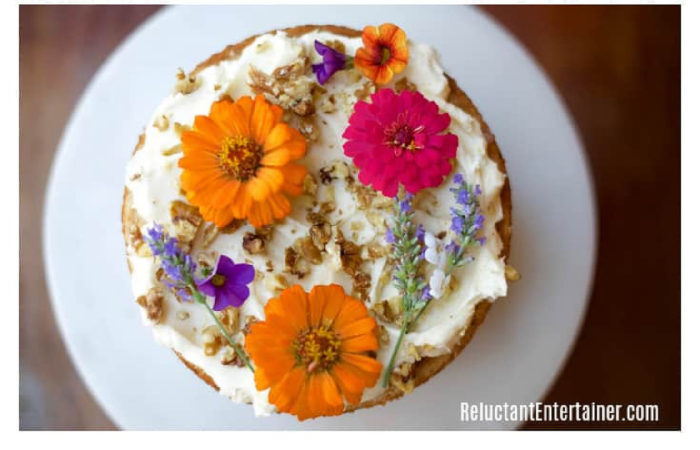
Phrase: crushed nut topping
x=179 y=128
x=320 y=234
x=276 y=283
x=403 y=84
x=254 y=243
x=152 y=302
x=186 y=84
x=175 y=149
x=186 y=220
x=213 y=339
x=350 y=254
x=294 y=263
x=388 y=311
x=306 y=247
x=289 y=86
x=249 y=320
x=233 y=226
x=161 y=123
x=361 y=282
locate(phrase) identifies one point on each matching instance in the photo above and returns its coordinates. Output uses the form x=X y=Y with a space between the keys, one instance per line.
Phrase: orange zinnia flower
x=384 y=54
x=237 y=162
x=312 y=350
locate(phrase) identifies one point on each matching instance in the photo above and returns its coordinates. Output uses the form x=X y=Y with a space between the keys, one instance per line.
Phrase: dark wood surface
x=617 y=69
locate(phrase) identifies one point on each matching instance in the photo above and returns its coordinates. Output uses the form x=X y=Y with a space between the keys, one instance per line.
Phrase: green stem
x=390 y=366
x=200 y=299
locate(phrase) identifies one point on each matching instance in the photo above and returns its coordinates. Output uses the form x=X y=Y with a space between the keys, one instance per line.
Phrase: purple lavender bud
x=425 y=296
x=390 y=238
x=463 y=197
x=477 y=190
x=452 y=248
x=420 y=232
x=457 y=224
x=481 y=241
x=479 y=222
x=458 y=179
x=333 y=61
x=170 y=249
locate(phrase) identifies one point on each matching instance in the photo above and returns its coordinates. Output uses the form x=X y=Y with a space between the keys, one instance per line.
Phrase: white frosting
x=158 y=185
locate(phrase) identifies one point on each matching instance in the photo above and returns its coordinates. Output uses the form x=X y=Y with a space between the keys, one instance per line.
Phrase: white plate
x=516 y=354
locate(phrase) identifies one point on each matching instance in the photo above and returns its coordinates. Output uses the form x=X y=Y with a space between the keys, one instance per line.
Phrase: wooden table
x=618 y=70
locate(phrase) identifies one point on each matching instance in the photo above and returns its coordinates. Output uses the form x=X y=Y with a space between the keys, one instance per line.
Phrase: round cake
x=317 y=219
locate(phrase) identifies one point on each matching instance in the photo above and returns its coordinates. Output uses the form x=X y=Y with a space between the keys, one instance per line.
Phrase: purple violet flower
x=333 y=61
x=228 y=283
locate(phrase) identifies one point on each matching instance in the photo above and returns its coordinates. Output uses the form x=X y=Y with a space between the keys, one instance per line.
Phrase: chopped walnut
x=320 y=234
x=249 y=320
x=310 y=185
x=161 y=123
x=403 y=84
x=361 y=282
x=175 y=149
x=294 y=263
x=186 y=220
x=365 y=90
x=132 y=230
x=268 y=266
x=186 y=84
x=388 y=311
x=287 y=85
x=383 y=335
x=230 y=357
x=179 y=128
x=206 y=234
x=306 y=247
x=350 y=254
x=233 y=226
x=152 y=302
x=376 y=250
x=276 y=283
x=212 y=338
x=254 y=243
x=337 y=169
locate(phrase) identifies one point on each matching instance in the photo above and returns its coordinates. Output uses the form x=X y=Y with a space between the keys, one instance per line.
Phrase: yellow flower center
x=317 y=348
x=240 y=157
x=386 y=54
x=218 y=280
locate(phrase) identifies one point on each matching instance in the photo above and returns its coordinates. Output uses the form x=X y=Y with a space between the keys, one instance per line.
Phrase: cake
x=317 y=219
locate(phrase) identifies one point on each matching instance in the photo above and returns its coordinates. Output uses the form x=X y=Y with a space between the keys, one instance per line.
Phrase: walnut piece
x=186 y=84
x=361 y=282
x=287 y=85
x=186 y=220
x=254 y=243
x=350 y=254
x=153 y=303
x=294 y=263
x=320 y=234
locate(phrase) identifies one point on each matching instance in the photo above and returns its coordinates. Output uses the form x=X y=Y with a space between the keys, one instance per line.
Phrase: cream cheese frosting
x=153 y=177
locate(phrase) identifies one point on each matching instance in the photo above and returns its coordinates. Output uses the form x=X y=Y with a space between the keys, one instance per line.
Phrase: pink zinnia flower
x=397 y=139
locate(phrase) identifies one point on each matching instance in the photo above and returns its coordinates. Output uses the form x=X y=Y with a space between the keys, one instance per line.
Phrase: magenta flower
x=333 y=61
x=228 y=283
x=397 y=139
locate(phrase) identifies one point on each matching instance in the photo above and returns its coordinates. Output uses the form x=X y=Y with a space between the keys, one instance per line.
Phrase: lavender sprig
x=407 y=245
x=467 y=221
x=180 y=272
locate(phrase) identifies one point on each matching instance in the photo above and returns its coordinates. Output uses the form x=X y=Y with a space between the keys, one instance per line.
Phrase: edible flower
x=238 y=162
x=384 y=52
x=333 y=61
x=397 y=139
x=228 y=283
x=180 y=272
x=313 y=350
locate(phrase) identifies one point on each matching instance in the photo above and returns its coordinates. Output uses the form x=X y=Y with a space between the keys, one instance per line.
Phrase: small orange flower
x=384 y=54
x=237 y=162
x=312 y=350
